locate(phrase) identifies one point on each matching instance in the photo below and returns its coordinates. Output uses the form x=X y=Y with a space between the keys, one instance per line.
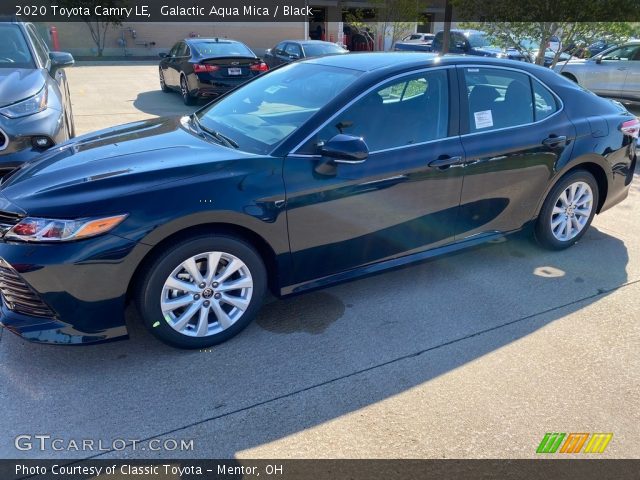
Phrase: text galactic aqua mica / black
x=317 y=172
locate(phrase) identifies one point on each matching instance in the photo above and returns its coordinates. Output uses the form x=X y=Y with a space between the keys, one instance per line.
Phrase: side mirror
x=599 y=59
x=163 y=55
x=60 y=60
x=345 y=149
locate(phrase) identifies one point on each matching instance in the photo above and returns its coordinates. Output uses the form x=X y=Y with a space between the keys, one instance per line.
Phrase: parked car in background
x=549 y=54
x=273 y=187
x=291 y=50
x=420 y=42
x=207 y=67
x=474 y=42
x=612 y=73
x=35 y=105
x=600 y=46
x=554 y=44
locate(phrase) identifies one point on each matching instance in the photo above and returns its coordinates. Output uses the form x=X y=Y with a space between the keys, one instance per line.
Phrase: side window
x=174 y=51
x=40 y=49
x=279 y=50
x=623 y=53
x=182 y=49
x=293 y=49
x=544 y=101
x=403 y=112
x=497 y=98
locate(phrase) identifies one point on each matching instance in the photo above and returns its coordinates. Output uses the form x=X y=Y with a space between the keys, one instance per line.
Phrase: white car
x=612 y=73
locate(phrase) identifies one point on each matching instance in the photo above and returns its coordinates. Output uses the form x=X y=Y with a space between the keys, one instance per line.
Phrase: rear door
x=394 y=203
x=173 y=62
x=514 y=133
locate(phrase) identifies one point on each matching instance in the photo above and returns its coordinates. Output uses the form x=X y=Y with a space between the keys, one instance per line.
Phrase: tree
x=394 y=19
x=98 y=24
x=539 y=20
x=514 y=35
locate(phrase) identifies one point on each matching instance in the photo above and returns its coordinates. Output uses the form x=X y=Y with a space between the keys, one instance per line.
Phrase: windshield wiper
x=223 y=139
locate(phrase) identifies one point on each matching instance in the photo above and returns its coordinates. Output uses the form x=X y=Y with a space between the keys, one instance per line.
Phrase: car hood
x=19 y=83
x=112 y=163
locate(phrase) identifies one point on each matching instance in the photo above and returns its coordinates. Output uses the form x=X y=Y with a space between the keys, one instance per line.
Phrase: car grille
x=8 y=220
x=18 y=296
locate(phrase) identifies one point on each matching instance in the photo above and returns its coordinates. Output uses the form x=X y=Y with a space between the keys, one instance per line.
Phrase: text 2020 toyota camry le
x=320 y=171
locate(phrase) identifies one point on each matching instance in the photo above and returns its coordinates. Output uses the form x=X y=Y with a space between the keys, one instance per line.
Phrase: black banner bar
x=388 y=11
x=543 y=469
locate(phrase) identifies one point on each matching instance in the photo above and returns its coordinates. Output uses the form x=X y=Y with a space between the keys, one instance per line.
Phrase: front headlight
x=51 y=230
x=31 y=105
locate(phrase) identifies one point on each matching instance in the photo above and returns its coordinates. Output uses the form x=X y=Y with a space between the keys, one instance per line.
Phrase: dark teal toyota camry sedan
x=317 y=172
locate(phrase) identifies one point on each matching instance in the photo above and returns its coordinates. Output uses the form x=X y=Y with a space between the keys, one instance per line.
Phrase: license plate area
x=234 y=71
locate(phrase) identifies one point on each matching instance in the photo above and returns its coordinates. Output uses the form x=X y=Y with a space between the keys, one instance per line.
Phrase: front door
x=394 y=203
x=608 y=76
x=514 y=134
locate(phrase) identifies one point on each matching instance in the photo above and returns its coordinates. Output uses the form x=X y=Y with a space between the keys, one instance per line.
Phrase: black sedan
x=35 y=106
x=291 y=50
x=321 y=171
x=207 y=67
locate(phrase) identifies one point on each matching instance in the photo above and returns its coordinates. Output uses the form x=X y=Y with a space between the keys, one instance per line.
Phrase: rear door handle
x=554 y=140
x=445 y=161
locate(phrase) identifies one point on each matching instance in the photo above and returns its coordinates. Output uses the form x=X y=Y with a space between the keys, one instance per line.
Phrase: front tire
x=163 y=83
x=567 y=211
x=202 y=291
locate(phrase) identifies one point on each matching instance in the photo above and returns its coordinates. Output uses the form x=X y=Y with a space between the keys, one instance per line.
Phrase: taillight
x=631 y=128
x=199 y=68
x=260 y=67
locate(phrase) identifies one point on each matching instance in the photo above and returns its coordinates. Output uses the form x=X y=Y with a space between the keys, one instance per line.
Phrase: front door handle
x=445 y=161
x=554 y=140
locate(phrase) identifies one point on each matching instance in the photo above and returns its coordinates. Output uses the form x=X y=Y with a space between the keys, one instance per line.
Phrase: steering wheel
x=7 y=59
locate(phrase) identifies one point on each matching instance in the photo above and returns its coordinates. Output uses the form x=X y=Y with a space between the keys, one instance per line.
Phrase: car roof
x=308 y=42
x=367 y=62
x=211 y=39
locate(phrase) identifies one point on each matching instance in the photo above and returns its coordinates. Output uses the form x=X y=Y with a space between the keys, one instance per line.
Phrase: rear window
x=14 y=51
x=222 y=49
x=317 y=50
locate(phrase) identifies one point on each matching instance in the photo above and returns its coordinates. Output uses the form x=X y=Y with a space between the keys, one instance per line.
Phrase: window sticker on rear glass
x=483 y=119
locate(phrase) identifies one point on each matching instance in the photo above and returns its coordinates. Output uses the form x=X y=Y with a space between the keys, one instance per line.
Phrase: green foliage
x=393 y=18
x=512 y=34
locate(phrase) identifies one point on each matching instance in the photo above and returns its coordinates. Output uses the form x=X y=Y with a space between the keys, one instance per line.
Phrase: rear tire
x=567 y=211
x=184 y=91
x=201 y=291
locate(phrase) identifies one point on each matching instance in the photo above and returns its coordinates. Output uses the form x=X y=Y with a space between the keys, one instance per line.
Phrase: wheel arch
x=264 y=249
x=593 y=164
x=570 y=76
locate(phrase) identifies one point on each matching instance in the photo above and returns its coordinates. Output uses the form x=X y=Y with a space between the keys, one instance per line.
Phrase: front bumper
x=83 y=286
x=19 y=133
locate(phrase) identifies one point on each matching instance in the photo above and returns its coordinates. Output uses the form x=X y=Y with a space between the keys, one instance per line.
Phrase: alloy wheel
x=162 y=84
x=183 y=88
x=571 y=211
x=206 y=294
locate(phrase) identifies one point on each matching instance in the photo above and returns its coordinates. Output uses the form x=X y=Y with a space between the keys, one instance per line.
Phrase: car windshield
x=222 y=49
x=14 y=51
x=261 y=114
x=477 y=40
x=317 y=49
